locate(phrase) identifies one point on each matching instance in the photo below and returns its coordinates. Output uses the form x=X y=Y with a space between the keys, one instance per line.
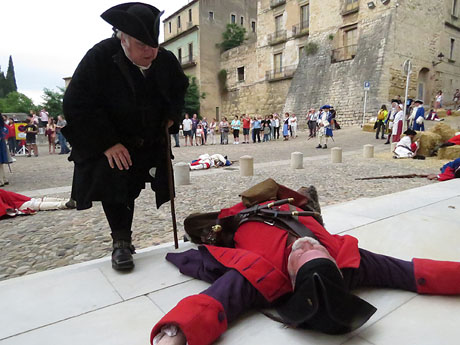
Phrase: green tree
x=16 y=102
x=192 y=97
x=10 y=78
x=52 y=101
x=232 y=37
x=2 y=84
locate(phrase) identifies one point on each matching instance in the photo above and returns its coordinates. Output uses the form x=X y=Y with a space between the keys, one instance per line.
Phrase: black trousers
x=120 y=218
x=380 y=126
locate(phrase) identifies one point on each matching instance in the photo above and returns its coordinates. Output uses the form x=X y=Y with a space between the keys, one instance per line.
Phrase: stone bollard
x=297 y=160
x=336 y=155
x=181 y=174
x=246 y=166
x=368 y=151
x=393 y=146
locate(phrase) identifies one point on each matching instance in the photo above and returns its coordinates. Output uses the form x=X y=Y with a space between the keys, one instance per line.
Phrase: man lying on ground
x=449 y=171
x=13 y=204
x=266 y=253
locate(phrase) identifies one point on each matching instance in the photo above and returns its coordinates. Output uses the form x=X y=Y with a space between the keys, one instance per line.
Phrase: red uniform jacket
x=260 y=255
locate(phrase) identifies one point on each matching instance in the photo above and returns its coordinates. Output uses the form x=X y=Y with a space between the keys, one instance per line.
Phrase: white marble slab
x=411 y=235
x=151 y=273
x=125 y=323
x=43 y=300
x=255 y=328
x=425 y=320
x=166 y=299
x=357 y=341
x=337 y=221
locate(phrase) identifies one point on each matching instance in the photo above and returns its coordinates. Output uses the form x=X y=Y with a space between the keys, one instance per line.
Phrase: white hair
x=123 y=37
x=298 y=243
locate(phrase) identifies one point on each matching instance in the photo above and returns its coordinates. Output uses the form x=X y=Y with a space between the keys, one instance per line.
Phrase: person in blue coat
x=419 y=118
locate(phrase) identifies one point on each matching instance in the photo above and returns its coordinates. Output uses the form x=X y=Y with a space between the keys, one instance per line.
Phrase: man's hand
x=178 y=339
x=432 y=177
x=119 y=155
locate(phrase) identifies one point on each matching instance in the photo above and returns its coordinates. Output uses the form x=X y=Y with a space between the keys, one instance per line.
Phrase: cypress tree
x=2 y=84
x=10 y=77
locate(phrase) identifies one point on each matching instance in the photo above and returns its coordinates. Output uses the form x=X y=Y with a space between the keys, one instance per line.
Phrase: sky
x=48 y=38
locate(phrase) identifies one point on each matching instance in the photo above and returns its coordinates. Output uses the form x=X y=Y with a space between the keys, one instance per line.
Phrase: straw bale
x=368 y=127
x=445 y=131
x=441 y=112
x=456 y=113
x=428 y=141
x=450 y=153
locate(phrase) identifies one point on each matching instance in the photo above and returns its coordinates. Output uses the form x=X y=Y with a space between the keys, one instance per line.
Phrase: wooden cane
x=171 y=186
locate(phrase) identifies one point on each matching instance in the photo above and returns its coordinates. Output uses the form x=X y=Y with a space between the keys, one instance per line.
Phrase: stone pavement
x=54 y=239
x=89 y=303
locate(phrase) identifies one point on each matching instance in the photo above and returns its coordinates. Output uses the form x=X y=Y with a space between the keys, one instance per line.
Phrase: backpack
x=381 y=115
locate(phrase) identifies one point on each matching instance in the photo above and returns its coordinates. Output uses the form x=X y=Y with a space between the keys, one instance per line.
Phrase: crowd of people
x=256 y=129
x=33 y=126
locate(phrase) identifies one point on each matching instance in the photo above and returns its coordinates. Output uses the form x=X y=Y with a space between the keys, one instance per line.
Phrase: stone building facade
x=192 y=34
x=293 y=66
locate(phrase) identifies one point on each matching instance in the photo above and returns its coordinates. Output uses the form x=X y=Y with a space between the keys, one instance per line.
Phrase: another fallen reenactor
x=13 y=204
x=455 y=140
x=271 y=251
x=407 y=147
x=449 y=171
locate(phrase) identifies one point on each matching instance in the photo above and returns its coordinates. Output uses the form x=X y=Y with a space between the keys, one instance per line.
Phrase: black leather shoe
x=122 y=255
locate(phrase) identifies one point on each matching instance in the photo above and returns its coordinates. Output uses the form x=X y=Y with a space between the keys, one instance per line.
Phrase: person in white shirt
x=293 y=124
x=187 y=129
x=398 y=124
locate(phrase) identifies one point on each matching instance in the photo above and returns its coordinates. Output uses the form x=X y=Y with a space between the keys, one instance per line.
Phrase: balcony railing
x=188 y=61
x=300 y=29
x=281 y=73
x=344 y=53
x=276 y=3
x=277 y=37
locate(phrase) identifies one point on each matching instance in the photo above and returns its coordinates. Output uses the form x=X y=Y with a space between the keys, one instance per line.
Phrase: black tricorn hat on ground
x=410 y=132
x=139 y=20
x=321 y=302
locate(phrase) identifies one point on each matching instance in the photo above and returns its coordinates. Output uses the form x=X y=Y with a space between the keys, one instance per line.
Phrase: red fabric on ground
x=437 y=277
x=10 y=200
x=193 y=315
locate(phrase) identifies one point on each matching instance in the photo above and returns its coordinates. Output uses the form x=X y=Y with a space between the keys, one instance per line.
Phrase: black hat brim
x=319 y=303
x=145 y=28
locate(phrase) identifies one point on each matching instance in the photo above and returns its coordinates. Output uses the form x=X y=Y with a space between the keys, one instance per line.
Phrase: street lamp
x=440 y=59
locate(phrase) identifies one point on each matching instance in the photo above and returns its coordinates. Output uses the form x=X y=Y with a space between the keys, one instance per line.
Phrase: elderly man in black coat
x=123 y=96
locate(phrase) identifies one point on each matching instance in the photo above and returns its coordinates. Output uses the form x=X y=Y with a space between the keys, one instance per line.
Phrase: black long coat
x=109 y=101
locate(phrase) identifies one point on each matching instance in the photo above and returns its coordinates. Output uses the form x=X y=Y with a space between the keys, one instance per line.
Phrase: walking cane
x=171 y=185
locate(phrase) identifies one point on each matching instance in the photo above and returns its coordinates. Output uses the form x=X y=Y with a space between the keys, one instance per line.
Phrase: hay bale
x=428 y=141
x=441 y=112
x=368 y=127
x=445 y=131
x=456 y=113
x=450 y=153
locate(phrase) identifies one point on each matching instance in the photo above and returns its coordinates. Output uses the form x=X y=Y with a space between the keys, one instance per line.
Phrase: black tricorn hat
x=139 y=20
x=410 y=132
x=321 y=302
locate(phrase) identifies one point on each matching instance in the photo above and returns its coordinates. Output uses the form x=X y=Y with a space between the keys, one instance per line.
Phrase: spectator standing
x=31 y=136
x=35 y=119
x=11 y=137
x=272 y=127
x=236 y=124
x=312 y=118
x=256 y=127
x=276 y=133
x=325 y=128
x=187 y=129
x=267 y=130
x=224 y=130
x=293 y=125
x=286 y=127
x=381 y=117
x=195 y=122
x=61 y=123
x=212 y=132
x=51 y=133
x=204 y=124
x=3 y=152
x=199 y=135
x=246 y=128
x=456 y=98
x=438 y=100
x=43 y=120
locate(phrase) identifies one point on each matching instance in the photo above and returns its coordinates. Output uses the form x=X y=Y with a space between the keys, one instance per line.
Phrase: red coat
x=260 y=255
x=10 y=200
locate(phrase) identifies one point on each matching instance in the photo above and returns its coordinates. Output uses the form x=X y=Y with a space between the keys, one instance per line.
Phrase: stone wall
x=318 y=81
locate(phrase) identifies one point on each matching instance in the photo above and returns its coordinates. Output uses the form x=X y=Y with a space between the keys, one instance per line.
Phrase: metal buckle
x=269 y=223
